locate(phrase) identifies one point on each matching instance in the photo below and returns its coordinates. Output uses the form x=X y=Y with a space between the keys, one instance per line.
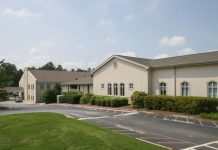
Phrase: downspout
x=174 y=70
x=27 y=84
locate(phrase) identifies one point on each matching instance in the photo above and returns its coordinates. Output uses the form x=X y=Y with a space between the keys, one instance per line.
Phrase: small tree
x=50 y=96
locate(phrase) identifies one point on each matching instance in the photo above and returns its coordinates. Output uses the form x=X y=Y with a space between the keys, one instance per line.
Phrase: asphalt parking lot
x=171 y=132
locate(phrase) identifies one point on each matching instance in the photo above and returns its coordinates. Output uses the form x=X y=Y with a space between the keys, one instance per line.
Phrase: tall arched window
x=109 y=90
x=212 y=89
x=185 y=89
x=122 y=89
x=163 y=88
x=115 y=89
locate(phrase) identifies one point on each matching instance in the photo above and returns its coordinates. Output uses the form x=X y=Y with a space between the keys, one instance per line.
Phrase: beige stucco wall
x=162 y=75
x=197 y=77
x=123 y=72
x=28 y=79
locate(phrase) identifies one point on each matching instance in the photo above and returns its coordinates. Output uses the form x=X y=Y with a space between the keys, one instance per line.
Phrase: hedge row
x=71 y=98
x=78 y=98
x=181 y=104
x=108 y=101
x=137 y=99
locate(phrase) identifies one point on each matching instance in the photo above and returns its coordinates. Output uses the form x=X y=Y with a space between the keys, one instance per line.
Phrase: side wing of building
x=120 y=78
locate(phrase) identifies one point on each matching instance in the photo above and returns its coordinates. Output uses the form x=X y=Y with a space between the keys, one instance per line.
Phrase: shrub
x=85 y=98
x=123 y=101
x=76 y=95
x=68 y=99
x=137 y=99
x=3 y=95
x=189 y=105
x=71 y=97
x=117 y=102
x=103 y=102
x=108 y=102
x=95 y=100
x=98 y=102
x=50 y=96
x=92 y=101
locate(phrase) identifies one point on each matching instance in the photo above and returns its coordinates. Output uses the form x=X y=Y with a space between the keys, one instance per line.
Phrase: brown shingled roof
x=142 y=61
x=57 y=76
x=200 y=58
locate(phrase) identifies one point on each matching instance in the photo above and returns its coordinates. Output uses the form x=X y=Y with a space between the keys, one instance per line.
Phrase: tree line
x=10 y=75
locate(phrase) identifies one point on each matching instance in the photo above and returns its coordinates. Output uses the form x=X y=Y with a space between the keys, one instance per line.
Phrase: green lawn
x=213 y=116
x=50 y=131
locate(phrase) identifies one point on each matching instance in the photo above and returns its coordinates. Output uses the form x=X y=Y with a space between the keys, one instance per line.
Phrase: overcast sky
x=82 y=33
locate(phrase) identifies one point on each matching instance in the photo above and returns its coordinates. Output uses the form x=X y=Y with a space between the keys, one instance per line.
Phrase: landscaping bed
x=104 y=101
x=179 y=104
x=212 y=116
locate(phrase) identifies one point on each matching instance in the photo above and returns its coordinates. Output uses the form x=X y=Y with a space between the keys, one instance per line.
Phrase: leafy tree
x=7 y=72
x=9 y=75
x=81 y=70
x=60 y=68
x=3 y=81
x=17 y=77
x=48 y=66
x=58 y=88
x=50 y=96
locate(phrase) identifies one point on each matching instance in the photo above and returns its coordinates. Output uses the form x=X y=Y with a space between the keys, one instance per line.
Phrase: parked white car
x=18 y=99
x=11 y=97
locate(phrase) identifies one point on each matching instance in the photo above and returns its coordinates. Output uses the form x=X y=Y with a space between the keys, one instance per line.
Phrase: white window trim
x=189 y=91
x=131 y=88
x=103 y=86
x=208 y=94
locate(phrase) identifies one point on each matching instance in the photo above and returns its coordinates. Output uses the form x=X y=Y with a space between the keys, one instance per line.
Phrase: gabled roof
x=135 y=60
x=80 y=81
x=185 y=60
x=142 y=61
x=57 y=76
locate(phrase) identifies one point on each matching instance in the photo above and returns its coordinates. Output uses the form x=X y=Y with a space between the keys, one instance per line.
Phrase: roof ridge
x=201 y=53
x=57 y=71
x=133 y=57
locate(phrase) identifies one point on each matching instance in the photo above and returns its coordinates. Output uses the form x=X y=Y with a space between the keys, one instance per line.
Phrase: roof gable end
x=132 y=60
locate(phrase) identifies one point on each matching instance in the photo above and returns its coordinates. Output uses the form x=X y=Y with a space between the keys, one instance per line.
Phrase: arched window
x=115 y=89
x=185 y=89
x=109 y=90
x=122 y=89
x=163 y=88
x=212 y=89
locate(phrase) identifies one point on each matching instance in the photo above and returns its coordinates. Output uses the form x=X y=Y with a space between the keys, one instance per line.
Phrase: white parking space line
x=93 y=118
x=200 y=122
x=215 y=124
x=211 y=147
x=155 y=138
x=165 y=147
x=168 y=142
x=126 y=114
x=205 y=144
x=101 y=117
x=130 y=129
